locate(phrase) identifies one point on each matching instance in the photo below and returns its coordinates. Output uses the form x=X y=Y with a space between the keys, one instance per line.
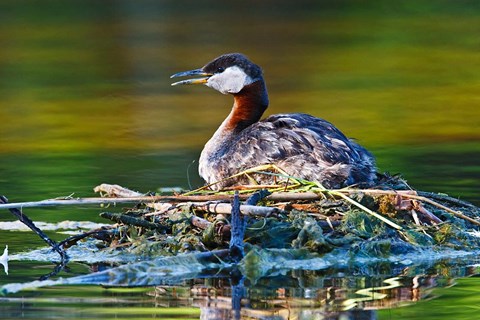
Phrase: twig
x=96 y=200
x=114 y=190
x=29 y=223
x=373 y=213
x=258 y=169
x=426 y=213
x=132 y=221
x=277 y=196
x=257 y=196
x=226 y=208
x=451 y=200
x=200 y=222
x=292 y=196
x=238 y=231
x=280 y=196
x=70 y=241
x=413 y=195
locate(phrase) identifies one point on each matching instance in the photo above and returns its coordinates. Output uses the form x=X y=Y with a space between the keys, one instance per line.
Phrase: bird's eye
x=220 y=70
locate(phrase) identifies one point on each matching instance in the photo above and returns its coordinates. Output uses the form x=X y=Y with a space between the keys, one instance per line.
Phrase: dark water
x=86 y=99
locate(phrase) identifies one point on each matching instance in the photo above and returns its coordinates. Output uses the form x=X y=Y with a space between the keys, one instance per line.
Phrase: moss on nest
x=347 y=218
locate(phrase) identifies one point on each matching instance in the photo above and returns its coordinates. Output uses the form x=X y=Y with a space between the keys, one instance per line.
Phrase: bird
x=298 y=145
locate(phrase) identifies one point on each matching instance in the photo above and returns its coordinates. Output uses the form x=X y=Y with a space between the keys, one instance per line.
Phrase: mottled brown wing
x=282 y=136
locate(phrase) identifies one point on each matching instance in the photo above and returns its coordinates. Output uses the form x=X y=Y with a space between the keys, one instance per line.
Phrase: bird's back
x=302 y=145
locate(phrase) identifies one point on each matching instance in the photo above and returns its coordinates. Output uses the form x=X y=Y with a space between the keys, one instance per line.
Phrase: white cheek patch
x=232 y=80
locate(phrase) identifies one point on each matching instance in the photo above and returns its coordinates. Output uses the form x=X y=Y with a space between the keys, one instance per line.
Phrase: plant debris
x=383 y=221
x=293 y=215
x=300 y=225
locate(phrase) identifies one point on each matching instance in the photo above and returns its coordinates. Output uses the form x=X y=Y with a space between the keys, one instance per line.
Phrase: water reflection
x=313 y=295
x=306 y=295
x=219 y=294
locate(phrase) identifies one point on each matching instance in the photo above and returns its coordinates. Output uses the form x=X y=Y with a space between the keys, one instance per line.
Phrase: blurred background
x=85 y=94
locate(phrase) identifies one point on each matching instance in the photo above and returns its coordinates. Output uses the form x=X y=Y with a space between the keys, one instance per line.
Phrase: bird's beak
x=196 y=72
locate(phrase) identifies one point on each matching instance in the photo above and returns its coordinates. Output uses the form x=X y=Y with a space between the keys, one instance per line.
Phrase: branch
x=226 y=208
x=106 y=201
x=29 y=223
x=277 y=196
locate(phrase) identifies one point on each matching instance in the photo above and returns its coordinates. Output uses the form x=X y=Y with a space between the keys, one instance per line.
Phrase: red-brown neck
x=249 y=105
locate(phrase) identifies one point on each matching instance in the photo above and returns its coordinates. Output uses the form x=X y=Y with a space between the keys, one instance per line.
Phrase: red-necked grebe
x=301 y=145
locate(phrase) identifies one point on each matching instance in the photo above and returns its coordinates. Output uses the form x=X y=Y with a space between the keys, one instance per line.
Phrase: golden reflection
x=333 y=299
x=71 y=81
x=372 y=293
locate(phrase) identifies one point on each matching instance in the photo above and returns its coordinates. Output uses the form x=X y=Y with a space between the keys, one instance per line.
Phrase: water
x=86 y=99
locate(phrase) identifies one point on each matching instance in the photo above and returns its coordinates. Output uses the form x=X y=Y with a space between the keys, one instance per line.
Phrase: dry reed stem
x=276 y=196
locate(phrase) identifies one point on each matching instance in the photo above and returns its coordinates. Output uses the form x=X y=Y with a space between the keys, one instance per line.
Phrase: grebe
x=299 y=144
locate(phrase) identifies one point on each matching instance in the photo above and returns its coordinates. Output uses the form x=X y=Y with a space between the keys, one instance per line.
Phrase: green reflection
x=95 y=77
x=36 y=177
x=458 y=302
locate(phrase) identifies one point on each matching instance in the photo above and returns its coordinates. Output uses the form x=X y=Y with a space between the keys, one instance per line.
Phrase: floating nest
x=389 y=219
x=261 y=231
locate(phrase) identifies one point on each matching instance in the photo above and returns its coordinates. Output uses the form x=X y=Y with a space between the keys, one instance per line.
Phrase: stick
x=277 y=196
x=114 y=190
x=126 y=219
x=280 y=196
x=413 y=195
x=226 y=208
x=97 y=200
x=238 y=231
x=29 y=223
x=441 y=197
x=200 y=222
x=373 y=213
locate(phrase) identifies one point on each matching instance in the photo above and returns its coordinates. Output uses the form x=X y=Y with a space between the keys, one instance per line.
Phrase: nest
x=261 y=231
x=389 y=219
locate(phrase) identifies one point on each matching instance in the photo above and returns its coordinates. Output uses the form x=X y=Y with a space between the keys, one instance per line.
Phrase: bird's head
x=229 y=73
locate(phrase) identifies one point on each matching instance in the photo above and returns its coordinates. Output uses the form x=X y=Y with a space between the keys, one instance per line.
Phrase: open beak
x=196 y=72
